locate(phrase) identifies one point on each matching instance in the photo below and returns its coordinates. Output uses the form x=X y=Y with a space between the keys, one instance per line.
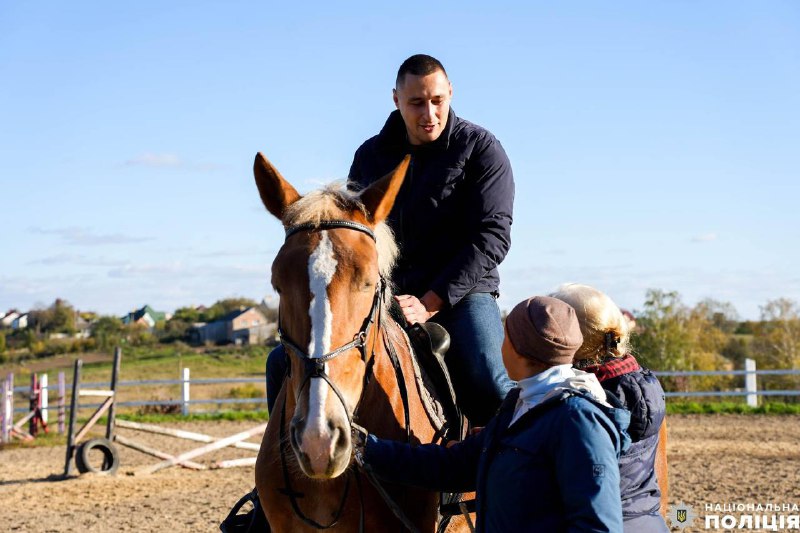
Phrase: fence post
x=750 y=385
x=73 y=414
x=4 y=416
x=62 y=395
x=185 y=392
x=112 y=411
x=43 y=396
x=10 y=393
x=33 y=402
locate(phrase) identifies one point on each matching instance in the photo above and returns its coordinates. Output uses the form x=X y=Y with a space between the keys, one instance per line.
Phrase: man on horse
x=452 y=221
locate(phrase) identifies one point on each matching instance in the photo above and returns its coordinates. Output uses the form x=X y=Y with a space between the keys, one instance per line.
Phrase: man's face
x=424 y=103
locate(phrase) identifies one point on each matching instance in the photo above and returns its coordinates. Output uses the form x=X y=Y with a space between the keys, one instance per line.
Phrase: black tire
x=110 y=462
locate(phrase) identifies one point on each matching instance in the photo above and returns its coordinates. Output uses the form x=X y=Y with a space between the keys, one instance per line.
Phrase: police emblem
x=681 y=515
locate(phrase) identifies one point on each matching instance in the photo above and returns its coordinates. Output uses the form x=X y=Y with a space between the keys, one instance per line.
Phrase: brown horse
x=350 y=363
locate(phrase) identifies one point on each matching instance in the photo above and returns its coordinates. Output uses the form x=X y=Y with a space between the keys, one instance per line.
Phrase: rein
x=314 y=367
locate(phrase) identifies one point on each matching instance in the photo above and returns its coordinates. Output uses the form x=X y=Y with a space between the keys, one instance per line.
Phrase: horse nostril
x=340 y=439
x=293 y=437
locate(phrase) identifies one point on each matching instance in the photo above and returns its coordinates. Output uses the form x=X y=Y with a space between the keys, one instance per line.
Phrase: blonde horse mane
x=335 y=202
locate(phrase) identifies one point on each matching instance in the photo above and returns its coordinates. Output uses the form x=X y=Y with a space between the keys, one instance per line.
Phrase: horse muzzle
x=322 y=451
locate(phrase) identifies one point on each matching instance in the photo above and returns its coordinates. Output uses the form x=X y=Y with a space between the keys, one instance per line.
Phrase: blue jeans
x=474 y=358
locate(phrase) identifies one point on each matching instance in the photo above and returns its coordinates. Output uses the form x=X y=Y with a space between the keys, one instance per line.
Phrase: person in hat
x=605 y=353
x=547 y=461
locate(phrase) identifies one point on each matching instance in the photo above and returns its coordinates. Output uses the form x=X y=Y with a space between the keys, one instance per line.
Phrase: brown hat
x=545 y=329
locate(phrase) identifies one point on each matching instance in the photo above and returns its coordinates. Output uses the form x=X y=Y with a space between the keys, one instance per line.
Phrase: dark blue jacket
x=452 y=217
x=554 y=470
x=641 y=393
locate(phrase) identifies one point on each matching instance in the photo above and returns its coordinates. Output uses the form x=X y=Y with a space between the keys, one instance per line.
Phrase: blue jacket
x=554 y=470
x=640 y=392
x=452 y=217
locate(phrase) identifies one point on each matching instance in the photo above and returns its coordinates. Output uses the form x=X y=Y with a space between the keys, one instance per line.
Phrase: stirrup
x=252 y=521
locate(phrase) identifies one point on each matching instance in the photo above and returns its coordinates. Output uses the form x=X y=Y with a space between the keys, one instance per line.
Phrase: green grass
x=255 y=416
x=50 y=439
x=769 y=408
x=152 y=362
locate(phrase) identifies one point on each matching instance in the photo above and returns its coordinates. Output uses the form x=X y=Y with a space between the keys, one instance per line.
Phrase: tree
x=223 y=307
x=186 y=314
x=777 y=338
x=663 y=342
x=722 y=314
x=107 y=332
x=58 y=318
x=675 y=337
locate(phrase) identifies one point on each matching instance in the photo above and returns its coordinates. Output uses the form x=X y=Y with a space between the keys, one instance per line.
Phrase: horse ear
x=379 y=197
x=276 y=193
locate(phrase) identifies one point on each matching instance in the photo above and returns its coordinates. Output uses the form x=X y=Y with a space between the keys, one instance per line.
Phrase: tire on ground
x=110 y=462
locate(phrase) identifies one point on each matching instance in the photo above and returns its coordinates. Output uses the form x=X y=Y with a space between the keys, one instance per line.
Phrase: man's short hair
x=419 y=65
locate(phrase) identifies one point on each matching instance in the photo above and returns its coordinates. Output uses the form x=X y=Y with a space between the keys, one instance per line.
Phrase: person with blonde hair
x=606 y=353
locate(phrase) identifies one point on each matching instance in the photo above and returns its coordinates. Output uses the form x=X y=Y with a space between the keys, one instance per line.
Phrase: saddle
x=430 y=342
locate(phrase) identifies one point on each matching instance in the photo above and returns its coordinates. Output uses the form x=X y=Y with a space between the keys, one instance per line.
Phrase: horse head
x=329 y=274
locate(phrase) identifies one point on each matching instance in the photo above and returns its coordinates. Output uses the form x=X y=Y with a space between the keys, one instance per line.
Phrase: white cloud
x=85 y=237
x=705 y=237
x=148 y=159
x=167 y=160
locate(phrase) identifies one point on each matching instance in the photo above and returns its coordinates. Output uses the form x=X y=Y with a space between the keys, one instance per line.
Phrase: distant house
x=9 y=318
x=83 y=327
x=243 y=326
x=21 y=322
x=146 y=316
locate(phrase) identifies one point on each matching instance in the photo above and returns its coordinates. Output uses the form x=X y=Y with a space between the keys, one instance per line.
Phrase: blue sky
x=654 y=144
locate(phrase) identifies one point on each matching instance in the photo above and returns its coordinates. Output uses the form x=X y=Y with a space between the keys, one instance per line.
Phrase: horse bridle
x=314 y=367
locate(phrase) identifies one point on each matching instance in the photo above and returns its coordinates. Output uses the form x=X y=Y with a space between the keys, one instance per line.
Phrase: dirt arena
x=716 y=459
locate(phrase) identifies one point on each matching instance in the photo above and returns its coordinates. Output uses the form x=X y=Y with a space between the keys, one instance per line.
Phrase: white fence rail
x=185 y=400
x=750 y=391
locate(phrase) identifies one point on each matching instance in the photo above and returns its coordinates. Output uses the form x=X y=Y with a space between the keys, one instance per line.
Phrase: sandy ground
x=714 y=459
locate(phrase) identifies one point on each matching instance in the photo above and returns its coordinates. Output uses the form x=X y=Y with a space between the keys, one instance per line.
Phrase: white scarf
x=548 y=383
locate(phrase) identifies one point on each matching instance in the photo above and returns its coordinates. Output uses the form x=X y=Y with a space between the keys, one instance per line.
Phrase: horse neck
x=383 y=393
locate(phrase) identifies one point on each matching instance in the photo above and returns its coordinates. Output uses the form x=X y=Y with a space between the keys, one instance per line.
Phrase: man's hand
x=419 y=309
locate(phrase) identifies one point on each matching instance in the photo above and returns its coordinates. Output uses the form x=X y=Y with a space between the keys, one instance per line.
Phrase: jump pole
x=182 y=434
x=73 y=407
x=222 y=443
x=155 y=453
x=62 y=395
x=44 y=394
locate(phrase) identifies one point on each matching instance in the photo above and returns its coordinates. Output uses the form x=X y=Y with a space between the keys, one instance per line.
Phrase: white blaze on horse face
x=321 y=268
